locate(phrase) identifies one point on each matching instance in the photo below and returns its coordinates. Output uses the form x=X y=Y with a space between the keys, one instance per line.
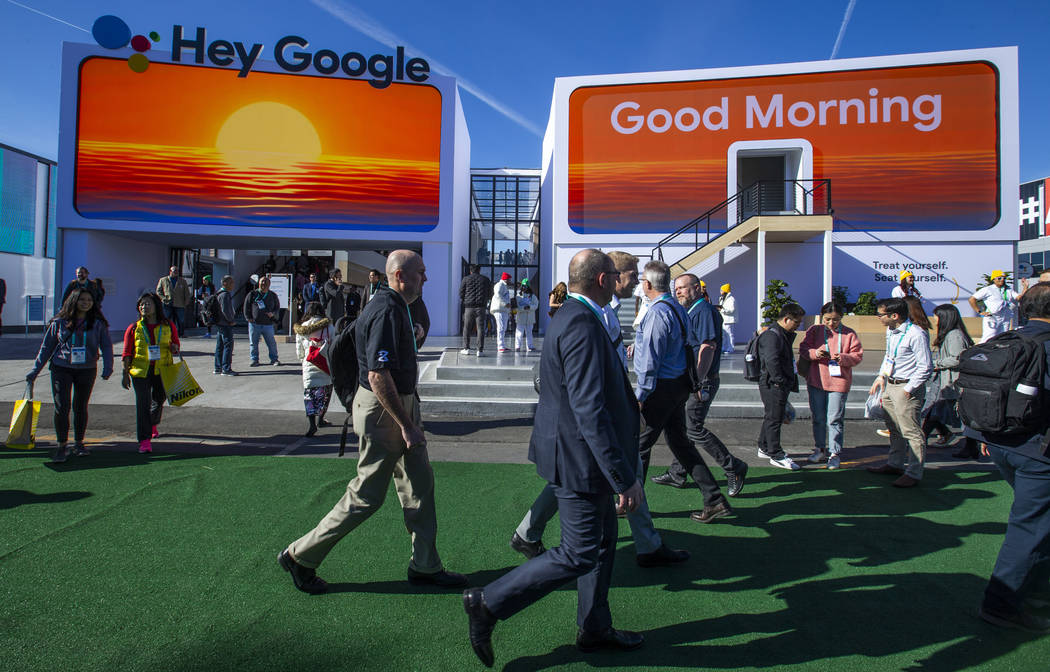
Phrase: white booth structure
x=842 y=172
x=164 y=153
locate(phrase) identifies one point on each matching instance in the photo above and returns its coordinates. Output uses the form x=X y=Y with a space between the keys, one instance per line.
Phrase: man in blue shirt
x=705 y=325
x=660 y=362
x=1020 y=581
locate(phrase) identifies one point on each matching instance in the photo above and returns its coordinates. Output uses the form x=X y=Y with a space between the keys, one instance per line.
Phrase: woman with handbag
x=312 y=337
x=950 y=341
x=149 y=344
x=76 y=337
x=826 y=358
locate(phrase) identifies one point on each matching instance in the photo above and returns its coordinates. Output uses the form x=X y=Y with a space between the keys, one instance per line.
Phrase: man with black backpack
x=1020 y=581
x=777 y=378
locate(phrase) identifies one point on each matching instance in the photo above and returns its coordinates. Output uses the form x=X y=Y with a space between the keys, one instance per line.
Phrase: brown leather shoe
x=886 y=469
x=905 y=482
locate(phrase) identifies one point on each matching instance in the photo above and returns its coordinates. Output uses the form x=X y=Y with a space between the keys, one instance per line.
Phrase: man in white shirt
x=902 y=378
x=728 y=307
x=500 y=309
x=1000 y=302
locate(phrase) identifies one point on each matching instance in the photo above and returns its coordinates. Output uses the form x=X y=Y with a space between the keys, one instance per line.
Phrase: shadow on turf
x=10 y=499
x=872 y=616
x=403 y=587
x=462 y=427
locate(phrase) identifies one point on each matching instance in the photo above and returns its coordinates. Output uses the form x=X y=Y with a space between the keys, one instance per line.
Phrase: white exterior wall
x=954 y=259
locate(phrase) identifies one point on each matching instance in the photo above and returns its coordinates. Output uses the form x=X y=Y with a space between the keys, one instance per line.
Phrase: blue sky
x=506 y=55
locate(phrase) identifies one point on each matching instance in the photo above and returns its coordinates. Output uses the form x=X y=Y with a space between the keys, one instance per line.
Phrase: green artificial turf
x=121 y=562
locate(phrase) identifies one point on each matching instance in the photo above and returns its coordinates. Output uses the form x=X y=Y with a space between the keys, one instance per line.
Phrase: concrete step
x=502 y=390
x=491 y=374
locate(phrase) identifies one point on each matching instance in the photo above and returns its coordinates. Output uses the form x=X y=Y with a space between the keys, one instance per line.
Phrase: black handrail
x=764 y=197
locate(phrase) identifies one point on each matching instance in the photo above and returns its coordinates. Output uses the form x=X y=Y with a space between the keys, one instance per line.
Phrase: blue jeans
x=223 y=348
x=829 y=411
x=176 y=315
x=266 y=331
x=1023 y=566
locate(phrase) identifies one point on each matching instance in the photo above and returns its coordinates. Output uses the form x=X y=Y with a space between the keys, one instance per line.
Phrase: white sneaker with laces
x=764 y=455
x=785 y=463
x=833 y=462
x=817 y=456
x=464 y=351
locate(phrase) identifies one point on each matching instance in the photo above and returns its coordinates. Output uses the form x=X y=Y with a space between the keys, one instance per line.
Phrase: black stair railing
x=764 y=197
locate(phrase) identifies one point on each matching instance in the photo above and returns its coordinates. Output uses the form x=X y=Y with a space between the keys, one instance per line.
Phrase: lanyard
x=601 y=318
x=840 y=342
x=412 y=328
x=145 y=333
x=698 y=302
x=1004 y=295
x=897 y=349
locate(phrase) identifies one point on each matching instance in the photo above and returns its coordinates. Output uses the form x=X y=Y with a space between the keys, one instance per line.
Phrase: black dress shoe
x=530 y=549
x=481 y=622
x=1020 y=621
x=619 y=640
x=735 y=480
x=667 y=478
x=661 y=557
x=443 y=579
x=304 y=578
x=709 y=513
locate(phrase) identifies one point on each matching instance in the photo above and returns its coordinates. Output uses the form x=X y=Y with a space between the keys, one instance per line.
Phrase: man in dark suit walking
x=585 y=443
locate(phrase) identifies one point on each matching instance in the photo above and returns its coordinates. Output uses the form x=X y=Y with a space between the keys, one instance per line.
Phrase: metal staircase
x=788 y=209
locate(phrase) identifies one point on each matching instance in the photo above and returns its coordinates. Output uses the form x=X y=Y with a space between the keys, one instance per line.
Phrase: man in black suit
x=585 y=443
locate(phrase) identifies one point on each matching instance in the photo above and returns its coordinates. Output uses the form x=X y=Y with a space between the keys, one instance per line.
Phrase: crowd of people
x=593 y=431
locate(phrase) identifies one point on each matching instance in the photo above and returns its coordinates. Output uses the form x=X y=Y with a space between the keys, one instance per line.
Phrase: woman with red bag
x=312 y=336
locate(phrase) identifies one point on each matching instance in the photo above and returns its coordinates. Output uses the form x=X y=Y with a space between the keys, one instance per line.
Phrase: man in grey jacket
x=224 y=327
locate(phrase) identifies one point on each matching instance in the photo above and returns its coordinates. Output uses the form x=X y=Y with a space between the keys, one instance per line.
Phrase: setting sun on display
x=268 y=135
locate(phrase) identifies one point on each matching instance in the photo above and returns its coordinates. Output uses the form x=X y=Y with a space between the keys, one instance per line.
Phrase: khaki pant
x=907 y=440
x=383 y=455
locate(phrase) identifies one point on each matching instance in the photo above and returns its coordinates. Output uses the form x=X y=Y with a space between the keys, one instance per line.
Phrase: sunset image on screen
x=918 y=151
x=200 y=145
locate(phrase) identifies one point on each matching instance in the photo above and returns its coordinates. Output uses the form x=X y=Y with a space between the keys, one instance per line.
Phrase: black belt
x=897 y=381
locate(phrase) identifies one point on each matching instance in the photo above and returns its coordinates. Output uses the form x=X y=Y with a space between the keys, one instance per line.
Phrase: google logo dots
x=111 y=32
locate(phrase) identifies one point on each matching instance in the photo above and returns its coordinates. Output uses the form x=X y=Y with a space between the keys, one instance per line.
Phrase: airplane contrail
x=361 y=22
x=842 y=29
x=53 y=18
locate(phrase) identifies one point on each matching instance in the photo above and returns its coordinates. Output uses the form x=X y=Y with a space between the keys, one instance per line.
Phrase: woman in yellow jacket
x=150 y=342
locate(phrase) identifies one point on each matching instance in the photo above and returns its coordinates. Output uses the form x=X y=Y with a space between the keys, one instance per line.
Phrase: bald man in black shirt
x=387 y=420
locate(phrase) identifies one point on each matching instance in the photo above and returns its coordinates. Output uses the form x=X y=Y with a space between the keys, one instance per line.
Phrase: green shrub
x=776 y=298
x=865 y=304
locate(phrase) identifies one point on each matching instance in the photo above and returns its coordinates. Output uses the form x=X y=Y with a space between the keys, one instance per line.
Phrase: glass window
x=17 y=202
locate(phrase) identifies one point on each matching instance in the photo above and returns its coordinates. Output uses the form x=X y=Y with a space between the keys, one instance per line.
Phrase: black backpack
x=752 y=364
x=1001 y=385
x=342 y=360
x=212 y=313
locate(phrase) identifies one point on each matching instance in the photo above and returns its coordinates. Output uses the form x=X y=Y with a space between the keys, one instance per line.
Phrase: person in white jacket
x=525 y=317
x=312 y=338
x=500 y=309
x=728 y=306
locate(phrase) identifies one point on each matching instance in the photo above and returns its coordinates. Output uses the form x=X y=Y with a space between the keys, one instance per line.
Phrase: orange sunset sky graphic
x=200 y=145
x=884 y=176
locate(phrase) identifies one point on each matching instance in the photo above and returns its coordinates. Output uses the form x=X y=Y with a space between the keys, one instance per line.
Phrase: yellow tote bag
x=23 y=422
x=179 y=384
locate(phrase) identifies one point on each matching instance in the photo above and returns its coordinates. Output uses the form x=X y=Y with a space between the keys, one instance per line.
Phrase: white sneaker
x=884 y=433
x=817 y=456
x=464 y=351
x=478 y=353
x=785 y=463
x=833 y=462
x=764 y=455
